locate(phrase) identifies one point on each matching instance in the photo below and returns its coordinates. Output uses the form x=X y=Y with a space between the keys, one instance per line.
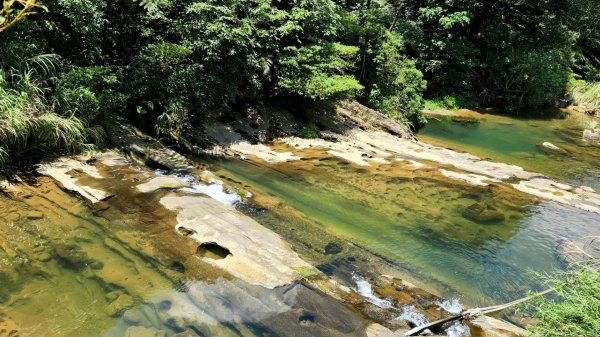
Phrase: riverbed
x=119 y=267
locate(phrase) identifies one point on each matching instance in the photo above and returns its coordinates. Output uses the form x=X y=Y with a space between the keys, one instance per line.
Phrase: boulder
x=159 y=183
x=485 y=326
x=479 y=213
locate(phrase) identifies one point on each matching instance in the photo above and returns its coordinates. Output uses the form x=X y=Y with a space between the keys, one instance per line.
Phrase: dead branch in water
x=472 y=313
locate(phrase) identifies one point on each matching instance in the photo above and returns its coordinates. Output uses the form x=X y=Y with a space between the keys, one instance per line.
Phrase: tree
x=13 y=11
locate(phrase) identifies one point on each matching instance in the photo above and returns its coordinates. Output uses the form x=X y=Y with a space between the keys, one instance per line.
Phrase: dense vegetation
x=166 y=64
x=576 y=311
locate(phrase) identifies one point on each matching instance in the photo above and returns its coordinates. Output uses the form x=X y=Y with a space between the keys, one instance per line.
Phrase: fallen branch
x=472 y=313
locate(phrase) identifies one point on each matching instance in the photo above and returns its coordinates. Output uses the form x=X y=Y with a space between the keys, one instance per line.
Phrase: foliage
x=28 y=124
x=13 y=11
x=576 y=312
x=167 y=65
x=584 y=93
x=309 y=132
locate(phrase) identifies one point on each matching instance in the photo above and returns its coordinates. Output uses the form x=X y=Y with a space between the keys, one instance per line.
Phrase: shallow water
x=415 y=220
x=121 y=269
x=514 y=141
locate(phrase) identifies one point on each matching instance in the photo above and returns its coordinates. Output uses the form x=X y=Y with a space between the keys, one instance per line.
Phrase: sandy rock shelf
x=366 y=148
x=255 y=254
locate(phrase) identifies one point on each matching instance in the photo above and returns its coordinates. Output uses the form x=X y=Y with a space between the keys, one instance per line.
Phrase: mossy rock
x=483 y=214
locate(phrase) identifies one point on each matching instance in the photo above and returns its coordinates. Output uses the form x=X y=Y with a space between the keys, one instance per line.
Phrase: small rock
x=119 y=305
x=480 y=213
x=485 y=326
x=134 y=317
x=547 y=146
x=34 y=215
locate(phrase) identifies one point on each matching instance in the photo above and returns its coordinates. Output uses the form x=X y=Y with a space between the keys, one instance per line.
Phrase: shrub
x=576 y=311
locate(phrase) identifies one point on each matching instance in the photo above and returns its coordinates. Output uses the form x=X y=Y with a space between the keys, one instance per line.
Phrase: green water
x=120 y=269
x=515 y=141
x=416 y=219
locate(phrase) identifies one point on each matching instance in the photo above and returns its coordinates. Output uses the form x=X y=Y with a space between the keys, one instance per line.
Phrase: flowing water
x=119 y=268
x=416 y=219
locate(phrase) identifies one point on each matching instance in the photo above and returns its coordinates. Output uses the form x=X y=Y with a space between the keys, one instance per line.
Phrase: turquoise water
x=417 y=223
x=515 y=141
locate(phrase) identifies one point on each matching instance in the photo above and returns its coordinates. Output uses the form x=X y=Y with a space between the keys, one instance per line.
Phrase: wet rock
x=72 y=254
x=253 y=252
x=485 y=326
x=377 y=330
x=159 y=183
x=547 y=146
x=479 y=213
x=34 y=215
x=61 y=171
x=591 y=135
x=187 y=333
x=134 y=317
x=139 y=331
x=119 y=305
x=11 y=217
x=333 y=248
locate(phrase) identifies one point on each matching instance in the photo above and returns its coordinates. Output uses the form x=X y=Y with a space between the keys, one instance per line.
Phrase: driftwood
x=472 y=313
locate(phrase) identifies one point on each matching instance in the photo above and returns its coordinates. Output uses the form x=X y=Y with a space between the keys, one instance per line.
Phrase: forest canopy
x=161 y=64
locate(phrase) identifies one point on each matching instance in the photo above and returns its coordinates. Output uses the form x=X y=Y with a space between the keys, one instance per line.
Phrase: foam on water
x=458 y=329
x=214 y=190
x=410 y=314
x=363 y=287
x=452 y=306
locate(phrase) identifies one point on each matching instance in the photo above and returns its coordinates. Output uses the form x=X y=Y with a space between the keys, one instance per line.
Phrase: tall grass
x=29 y=127
x=585 y=93
x=576 y=311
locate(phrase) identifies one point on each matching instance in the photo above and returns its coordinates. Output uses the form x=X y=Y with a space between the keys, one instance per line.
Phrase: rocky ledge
x=371 y=147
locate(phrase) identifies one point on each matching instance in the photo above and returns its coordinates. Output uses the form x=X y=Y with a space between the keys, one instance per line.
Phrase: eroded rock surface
x=368 y=148
x=65 y=172
x=158 y=183
x=258 y=255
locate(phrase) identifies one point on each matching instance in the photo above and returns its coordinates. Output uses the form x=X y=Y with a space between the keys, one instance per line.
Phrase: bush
x=576 y=311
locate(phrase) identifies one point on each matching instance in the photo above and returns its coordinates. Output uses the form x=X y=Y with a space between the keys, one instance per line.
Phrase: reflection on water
x=417 y=220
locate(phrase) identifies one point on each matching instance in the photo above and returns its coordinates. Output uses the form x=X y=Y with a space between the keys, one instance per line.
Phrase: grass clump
x=29 y=125
x=576 y=310
x=309 y=132
x=585 y=93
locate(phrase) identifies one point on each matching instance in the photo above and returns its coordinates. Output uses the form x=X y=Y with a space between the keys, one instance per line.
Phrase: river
x=68 y=269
